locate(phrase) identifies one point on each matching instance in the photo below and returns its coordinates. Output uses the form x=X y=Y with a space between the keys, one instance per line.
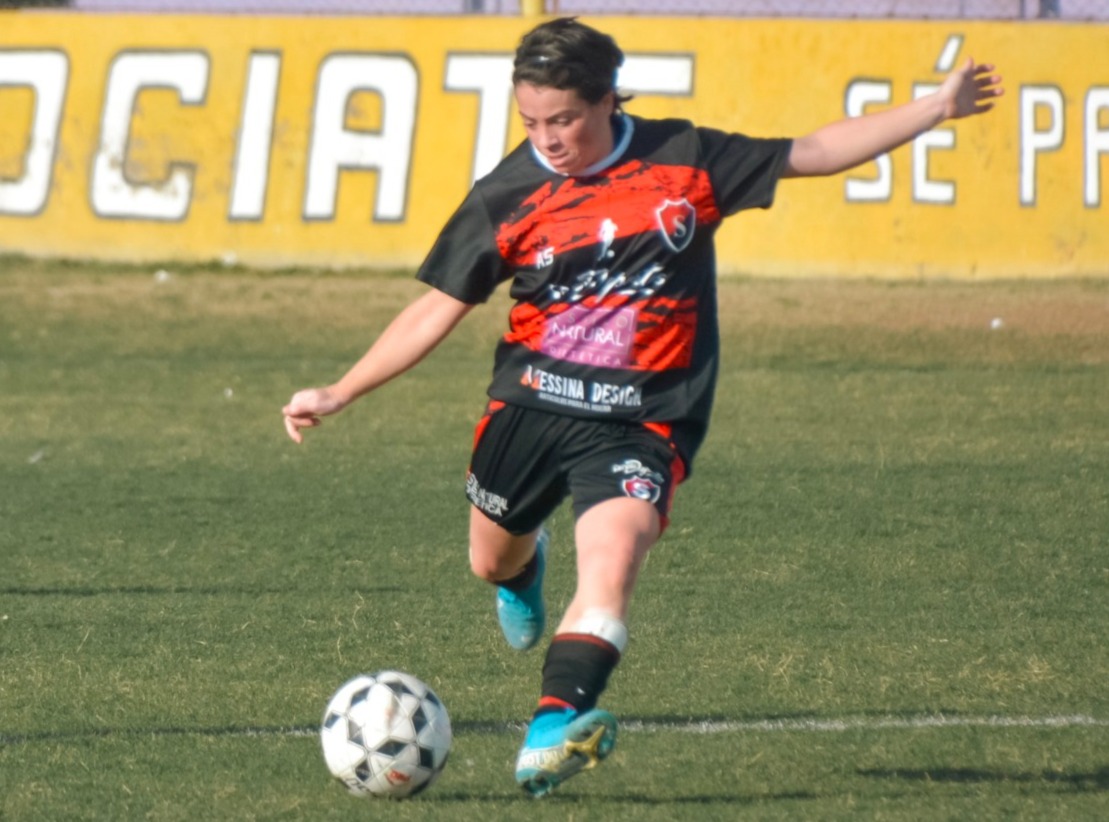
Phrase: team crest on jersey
x=676 y=221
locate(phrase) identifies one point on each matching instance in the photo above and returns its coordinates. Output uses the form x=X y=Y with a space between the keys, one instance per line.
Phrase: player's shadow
x=570 y=797
x=1095 y=781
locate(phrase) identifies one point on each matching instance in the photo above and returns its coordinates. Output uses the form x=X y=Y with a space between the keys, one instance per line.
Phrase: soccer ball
x=385 y=734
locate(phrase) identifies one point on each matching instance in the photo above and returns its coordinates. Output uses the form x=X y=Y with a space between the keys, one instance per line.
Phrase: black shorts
x=526 y=462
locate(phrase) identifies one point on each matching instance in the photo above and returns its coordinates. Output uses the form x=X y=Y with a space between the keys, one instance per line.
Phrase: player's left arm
x=844 y=144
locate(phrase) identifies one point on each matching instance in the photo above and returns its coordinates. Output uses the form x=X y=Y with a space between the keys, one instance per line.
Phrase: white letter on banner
x=925 y=189
x=252 y=158
x=860 y=94
x=112 y=194
x=491 y=77
x=669 y=75
x=1097 y=143
x=47 y=73
x=388 y=150
x=1032 y=142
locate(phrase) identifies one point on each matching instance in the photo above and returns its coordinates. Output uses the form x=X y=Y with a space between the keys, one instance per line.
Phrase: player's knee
x=487 y=566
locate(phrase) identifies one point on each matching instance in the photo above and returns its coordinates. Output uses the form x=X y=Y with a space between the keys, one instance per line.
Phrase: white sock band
x=602 y=624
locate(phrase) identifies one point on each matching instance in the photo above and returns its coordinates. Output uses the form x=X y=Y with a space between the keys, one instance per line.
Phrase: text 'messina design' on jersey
x=613 y=273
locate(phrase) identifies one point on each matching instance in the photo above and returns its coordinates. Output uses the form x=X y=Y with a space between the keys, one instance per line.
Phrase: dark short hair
x=566 y=54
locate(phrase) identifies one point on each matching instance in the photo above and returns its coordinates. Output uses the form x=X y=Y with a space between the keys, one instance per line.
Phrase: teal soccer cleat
x=522 y=614
x=561 y=744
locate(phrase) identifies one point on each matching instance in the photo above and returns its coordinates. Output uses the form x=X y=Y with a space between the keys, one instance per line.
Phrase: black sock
x=523 y=579
x=576 y=672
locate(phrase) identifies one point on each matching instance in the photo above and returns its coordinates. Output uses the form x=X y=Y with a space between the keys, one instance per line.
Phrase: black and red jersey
x=613 y=273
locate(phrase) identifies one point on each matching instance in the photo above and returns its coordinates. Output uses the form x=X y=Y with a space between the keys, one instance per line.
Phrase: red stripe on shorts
x=492 y=408
x=677 y=468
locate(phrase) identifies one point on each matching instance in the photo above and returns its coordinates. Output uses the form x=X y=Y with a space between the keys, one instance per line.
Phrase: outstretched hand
x=305 y=409
x=969 y=89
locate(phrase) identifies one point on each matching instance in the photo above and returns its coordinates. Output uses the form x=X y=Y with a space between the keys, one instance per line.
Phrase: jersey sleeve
x=464 y=262
x=744 y=170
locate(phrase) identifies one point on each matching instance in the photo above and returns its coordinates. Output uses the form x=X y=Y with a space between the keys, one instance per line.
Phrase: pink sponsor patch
x=591 y=336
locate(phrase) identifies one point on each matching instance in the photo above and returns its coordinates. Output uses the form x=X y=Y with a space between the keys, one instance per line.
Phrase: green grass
x=900 y=515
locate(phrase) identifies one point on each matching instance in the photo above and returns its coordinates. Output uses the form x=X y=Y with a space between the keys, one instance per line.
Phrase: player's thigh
x=613 y=538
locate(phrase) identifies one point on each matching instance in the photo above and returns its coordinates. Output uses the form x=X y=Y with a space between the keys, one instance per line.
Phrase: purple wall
x=951 y=9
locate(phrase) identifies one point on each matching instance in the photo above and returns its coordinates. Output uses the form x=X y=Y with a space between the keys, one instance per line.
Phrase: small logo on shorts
x=640 y=481
x=493 y=504
x=641 y=488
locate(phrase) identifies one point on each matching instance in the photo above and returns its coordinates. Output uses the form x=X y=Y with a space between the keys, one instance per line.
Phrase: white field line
x=868 y=723
x=719 y=727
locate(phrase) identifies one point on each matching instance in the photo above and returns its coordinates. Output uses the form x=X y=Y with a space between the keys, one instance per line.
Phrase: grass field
x=884 y=594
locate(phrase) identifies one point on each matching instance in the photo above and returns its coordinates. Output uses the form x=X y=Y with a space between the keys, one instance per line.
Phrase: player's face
x=571 y=133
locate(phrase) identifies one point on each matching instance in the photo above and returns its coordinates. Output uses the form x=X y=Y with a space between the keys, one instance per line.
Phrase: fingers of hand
x=292 y=430
x=293 y=424
x=985 y=79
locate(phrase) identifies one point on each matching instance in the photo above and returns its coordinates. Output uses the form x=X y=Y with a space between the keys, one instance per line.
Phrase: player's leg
x=496 y=554
x=516 y=565
x=612 y=538
x=622 y=497
x=568 y=733
x=513 y=485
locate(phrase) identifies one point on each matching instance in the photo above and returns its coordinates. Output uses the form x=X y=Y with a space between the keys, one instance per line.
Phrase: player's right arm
x=410 y=337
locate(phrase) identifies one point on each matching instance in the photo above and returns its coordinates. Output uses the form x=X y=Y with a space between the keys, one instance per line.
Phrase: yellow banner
x=282 y=141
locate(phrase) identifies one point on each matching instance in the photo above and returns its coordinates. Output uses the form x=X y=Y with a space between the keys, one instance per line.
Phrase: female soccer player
x=602 y=387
